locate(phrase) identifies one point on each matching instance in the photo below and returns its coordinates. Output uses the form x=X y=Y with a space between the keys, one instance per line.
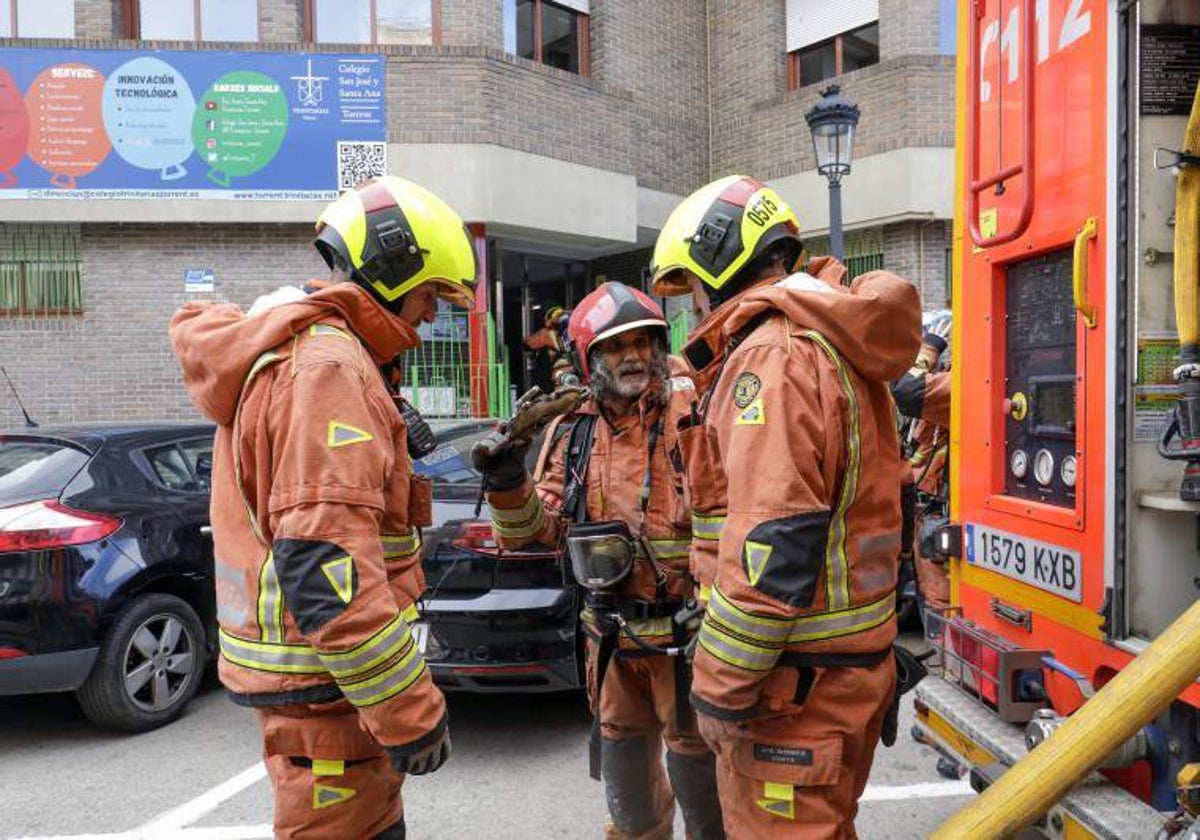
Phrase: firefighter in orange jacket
x=923 y=394
x=316 y=513
x=795 y=459
x=606 y=480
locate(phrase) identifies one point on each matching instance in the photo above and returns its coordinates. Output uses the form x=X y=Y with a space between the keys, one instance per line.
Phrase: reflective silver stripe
x=327 y=329
x=400 y=545
x=524 y=513
x=277 y=658
x=811 y=628
x=651 y=626
x=259 y=363
x=772 y=631
x=363 y=658
x=671 y=549
x=270 y=602
x=735 y=651
x=707 y=527
x=837 y=564
x=389 y=683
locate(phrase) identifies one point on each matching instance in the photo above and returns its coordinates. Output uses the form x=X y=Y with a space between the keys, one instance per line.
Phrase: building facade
x=564 y=132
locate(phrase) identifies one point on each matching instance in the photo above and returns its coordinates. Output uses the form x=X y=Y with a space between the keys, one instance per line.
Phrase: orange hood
x=875 y=323
x=216 y=343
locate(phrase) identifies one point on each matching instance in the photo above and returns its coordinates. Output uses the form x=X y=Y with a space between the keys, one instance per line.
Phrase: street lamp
x=832 y=121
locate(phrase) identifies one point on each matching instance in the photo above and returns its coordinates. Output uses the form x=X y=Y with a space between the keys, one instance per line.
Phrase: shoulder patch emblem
x=745 y=389
x=343 y=434
x=340 y=573
x=752 y=415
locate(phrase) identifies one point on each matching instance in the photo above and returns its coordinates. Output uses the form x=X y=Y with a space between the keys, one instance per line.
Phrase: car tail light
x=476 y=536
x=48 y=524
x=11 y=653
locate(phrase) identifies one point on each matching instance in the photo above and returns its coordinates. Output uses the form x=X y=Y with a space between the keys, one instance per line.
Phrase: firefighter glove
x=425 y=760
x=502 y=460
x=420 y=437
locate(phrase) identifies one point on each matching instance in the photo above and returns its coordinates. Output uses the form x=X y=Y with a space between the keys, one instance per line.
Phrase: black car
x=495 y=620
x=106 y=567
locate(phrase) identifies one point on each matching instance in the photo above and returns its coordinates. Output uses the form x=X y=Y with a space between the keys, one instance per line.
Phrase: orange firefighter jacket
x=315 y=509
x=616 y=472
x=802 y=474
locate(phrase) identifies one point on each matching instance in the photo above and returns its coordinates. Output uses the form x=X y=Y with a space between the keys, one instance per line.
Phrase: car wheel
x=149 y=667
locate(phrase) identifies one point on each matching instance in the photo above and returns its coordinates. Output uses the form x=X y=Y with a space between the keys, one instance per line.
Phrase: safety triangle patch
x=756 y=560
x=779 y=799
x=341 y=577
x=343 y=434
x=752 y=415
x=326 y=795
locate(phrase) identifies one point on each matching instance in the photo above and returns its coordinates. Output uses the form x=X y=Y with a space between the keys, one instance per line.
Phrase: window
x=193 y=20
x=37 y=18
x=834 y=56
x=373 y=21
x=864 y=250
x=176 y=464
x=40 y=270
x=549 y=33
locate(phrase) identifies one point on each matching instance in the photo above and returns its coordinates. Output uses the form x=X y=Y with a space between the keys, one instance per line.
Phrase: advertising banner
x=126 y=124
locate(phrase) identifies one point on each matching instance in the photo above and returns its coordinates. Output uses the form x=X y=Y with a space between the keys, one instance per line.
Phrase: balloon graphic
x=66 y=121
x=148 y=109
x=239 y=125
x=14 y=128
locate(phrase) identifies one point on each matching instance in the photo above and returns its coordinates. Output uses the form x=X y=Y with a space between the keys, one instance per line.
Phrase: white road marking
x=208 y=801
x=924 y=790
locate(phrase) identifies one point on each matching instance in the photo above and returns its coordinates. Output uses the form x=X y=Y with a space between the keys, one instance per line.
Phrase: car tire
x=158 y=640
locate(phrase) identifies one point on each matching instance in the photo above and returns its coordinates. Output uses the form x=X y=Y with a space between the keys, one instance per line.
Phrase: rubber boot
x=626 y=784
x=395 y=832
x=694 y=779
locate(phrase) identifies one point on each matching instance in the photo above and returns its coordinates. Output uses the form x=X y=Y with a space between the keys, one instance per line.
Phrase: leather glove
x=501 y=460
x=420 y=437
x=426 y=760
x=719 y=734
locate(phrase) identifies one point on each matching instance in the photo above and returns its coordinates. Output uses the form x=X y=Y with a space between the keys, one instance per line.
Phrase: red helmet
x=613 y=308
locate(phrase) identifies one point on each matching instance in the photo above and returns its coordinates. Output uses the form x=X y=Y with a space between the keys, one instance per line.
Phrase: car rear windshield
x=36 y=469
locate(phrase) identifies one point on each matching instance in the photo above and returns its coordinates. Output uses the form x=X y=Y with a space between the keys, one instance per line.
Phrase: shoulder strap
x=575 y=466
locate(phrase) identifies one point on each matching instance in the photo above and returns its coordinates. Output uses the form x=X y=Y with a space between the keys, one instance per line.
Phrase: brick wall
x=622 y=268
x=473 y=23
x=917 y=251
x=116 y=360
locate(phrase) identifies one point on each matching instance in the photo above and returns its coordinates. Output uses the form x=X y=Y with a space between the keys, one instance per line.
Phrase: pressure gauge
x=1043 y=467
x=1067 y=471
x=1019 y=463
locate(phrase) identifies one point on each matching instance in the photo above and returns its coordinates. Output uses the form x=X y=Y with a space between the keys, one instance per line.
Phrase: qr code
x=357 y=161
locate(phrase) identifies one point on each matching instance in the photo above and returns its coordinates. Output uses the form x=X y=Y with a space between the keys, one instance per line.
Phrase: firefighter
x=316 y=512
x=794 y=463
x=545 y=350
x=923 y=395
x=605 y=480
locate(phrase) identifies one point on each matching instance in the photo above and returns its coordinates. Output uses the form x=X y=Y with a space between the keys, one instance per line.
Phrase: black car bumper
x=45 y=672
x=517 y=640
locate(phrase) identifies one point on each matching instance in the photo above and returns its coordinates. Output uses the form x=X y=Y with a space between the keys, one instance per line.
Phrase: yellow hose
x=1133 y=698
x=1187 y=233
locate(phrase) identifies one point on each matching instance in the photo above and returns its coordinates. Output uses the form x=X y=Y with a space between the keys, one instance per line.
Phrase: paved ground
x=518 y=771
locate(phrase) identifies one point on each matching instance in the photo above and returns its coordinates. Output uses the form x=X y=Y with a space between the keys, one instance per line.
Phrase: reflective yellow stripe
x=671 y=549
x=736 y=651
x=276 y=658
x=773 y=631
x=778 y=799
x=400 y=545
x=519 y=523
x=810 y=628
x=366 y=657
x=837 y=564
x=410 y=613
x=705 y=593
x=707 y=527
x=270 y=602
x=388 y=683
x=328 y=767
x=327 y=329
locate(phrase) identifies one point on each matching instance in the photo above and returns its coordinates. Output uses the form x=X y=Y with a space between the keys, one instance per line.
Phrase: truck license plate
x=1049 y=567
x=420 y=631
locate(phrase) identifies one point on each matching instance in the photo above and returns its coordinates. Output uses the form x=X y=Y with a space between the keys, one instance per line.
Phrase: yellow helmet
x=716 y=230
x=394 y=235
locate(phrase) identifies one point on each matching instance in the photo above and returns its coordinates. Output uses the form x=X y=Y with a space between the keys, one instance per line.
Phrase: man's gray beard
x=606 y=386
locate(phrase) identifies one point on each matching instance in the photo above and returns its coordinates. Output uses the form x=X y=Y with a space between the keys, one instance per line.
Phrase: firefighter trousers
x=798 y=769
x=330 y=778
x=638 y=716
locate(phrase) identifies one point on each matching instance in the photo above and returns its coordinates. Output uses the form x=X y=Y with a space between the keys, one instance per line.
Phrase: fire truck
x=1069 y=661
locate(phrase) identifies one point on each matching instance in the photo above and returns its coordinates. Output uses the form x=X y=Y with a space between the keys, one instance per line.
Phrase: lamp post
x=832 y=121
